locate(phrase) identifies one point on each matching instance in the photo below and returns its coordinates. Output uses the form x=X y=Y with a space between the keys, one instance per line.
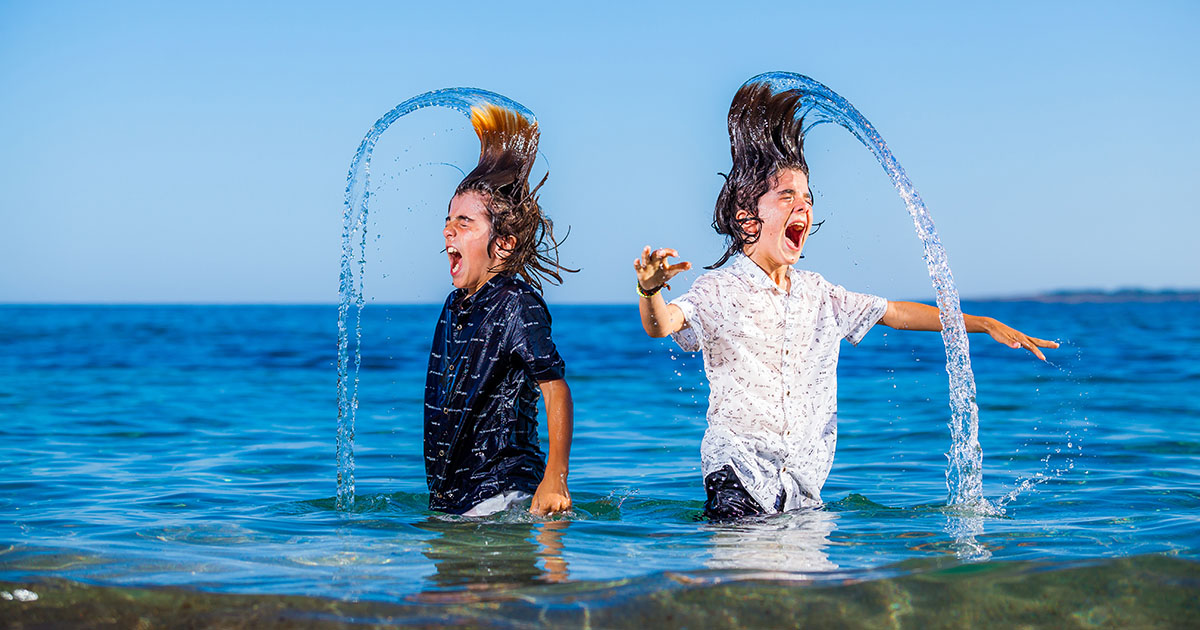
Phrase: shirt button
x=441 y=453
x=458 y=327
x=451 y=368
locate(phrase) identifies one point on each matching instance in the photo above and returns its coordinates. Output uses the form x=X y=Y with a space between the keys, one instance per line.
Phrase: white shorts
x=498 y=503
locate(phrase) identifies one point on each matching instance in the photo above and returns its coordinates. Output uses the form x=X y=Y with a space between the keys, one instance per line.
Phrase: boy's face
x=468 y=229
x=786 y=213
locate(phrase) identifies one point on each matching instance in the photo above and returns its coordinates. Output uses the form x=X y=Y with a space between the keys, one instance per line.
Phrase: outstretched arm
x=659 y=319
x=552 y=494
x=917 y=316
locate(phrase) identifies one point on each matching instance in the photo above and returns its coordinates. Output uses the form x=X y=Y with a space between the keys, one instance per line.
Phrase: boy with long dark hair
x=770 y=333
x=492 y=349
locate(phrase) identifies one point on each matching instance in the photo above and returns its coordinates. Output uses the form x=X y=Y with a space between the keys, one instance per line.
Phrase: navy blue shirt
x=489 y=352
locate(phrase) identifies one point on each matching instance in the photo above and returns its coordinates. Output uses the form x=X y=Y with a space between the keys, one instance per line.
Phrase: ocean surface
x=174 y=465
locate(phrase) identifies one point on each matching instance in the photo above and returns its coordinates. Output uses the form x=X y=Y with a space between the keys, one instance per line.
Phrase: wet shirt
x=771 y=360
x=489 y=353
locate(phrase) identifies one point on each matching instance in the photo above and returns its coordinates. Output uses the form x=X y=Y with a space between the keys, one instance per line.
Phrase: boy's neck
x=777 y=272
x=470 y=291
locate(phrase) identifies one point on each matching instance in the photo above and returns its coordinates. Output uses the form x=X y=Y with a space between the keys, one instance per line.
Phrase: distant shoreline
x=1066 y=296
x=1089 y=296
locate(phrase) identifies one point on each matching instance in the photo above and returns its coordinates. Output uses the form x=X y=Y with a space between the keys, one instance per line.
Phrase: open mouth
x=795 y=234
x=455 y=260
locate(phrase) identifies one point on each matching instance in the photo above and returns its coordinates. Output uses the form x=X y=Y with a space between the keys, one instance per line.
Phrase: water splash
x=354 y=260
x=964 y=475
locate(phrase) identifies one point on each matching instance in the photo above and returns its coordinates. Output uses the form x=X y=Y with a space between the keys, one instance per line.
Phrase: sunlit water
x=190 y=446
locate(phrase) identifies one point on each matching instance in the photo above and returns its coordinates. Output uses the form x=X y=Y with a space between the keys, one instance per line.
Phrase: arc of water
x=354 y=248
x=964 y=475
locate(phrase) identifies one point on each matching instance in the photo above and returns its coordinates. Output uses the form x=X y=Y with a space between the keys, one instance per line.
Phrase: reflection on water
x=1139 y=592
x=485 y=555
x=781 y=546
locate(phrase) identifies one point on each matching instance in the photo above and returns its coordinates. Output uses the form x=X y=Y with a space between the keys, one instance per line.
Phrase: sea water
x=146 y=447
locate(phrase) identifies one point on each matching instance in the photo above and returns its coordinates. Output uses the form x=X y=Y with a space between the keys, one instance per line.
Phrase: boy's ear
x=505 y=245
x=749 y=227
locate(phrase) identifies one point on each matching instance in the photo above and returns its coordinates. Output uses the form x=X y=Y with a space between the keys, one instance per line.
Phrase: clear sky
x=172 y=152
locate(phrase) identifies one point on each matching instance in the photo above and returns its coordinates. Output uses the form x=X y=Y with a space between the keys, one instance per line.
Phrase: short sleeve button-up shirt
x=489 y=353
x=771 y=361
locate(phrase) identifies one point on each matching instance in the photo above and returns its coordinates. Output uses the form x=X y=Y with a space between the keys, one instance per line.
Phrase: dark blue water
x=194 y=446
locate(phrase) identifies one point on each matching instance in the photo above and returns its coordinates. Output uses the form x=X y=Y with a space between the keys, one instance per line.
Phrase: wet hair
x=766 y=136
x=507 y=147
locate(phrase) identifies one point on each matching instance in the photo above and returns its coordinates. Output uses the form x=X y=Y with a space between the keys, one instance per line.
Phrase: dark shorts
x=727 y=497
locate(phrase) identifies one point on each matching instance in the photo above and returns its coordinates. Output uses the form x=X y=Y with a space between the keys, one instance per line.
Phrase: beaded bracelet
x=648 y=294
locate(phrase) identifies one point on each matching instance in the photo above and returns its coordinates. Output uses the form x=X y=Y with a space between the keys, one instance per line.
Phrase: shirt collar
x=748 y=270
x=463 y=303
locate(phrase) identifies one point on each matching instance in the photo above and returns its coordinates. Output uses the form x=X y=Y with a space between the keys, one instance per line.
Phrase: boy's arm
x=552 y=494
x=659 y=319
x=917 y=316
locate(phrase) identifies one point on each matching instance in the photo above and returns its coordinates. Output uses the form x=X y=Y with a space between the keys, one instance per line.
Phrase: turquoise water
x=193 y=447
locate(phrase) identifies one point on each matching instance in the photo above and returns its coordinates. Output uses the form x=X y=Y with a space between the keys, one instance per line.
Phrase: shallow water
x=194 y=447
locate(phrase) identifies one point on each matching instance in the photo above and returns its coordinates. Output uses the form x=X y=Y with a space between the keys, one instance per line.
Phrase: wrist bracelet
x=648 y=294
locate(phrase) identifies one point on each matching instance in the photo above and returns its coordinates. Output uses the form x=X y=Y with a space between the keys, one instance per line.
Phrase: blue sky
x=163 y=152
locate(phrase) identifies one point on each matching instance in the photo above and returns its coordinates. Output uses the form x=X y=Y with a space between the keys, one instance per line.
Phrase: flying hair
x=766 y=136
x=508 y=144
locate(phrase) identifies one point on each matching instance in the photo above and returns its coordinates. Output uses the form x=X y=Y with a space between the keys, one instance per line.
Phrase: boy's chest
x=469 y=342
x=774 y=317
x=773 y=333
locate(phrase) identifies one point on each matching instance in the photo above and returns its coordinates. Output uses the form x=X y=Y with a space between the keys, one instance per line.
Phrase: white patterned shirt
x=771 y=361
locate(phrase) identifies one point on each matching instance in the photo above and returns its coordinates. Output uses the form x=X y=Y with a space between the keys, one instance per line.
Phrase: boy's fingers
x=1028 y=343
x=550 y=506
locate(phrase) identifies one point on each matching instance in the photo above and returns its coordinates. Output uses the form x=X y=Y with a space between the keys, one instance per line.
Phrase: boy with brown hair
x=492 y=351
x=771 y=333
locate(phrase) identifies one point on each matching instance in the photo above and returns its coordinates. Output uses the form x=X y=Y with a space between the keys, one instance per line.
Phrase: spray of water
x=964 y=475
x=354 y=260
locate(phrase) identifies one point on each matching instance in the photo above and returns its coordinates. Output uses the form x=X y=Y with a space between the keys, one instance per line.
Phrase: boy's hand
x=1014 y=338
x=551 y=496
x=653 y=272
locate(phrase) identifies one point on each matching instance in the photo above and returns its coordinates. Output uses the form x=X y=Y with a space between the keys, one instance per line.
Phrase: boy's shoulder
x=731 y=274
x=729 y=278
x=516 y=290
x=715 y=277
x=810 y=278
x=504 y=297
